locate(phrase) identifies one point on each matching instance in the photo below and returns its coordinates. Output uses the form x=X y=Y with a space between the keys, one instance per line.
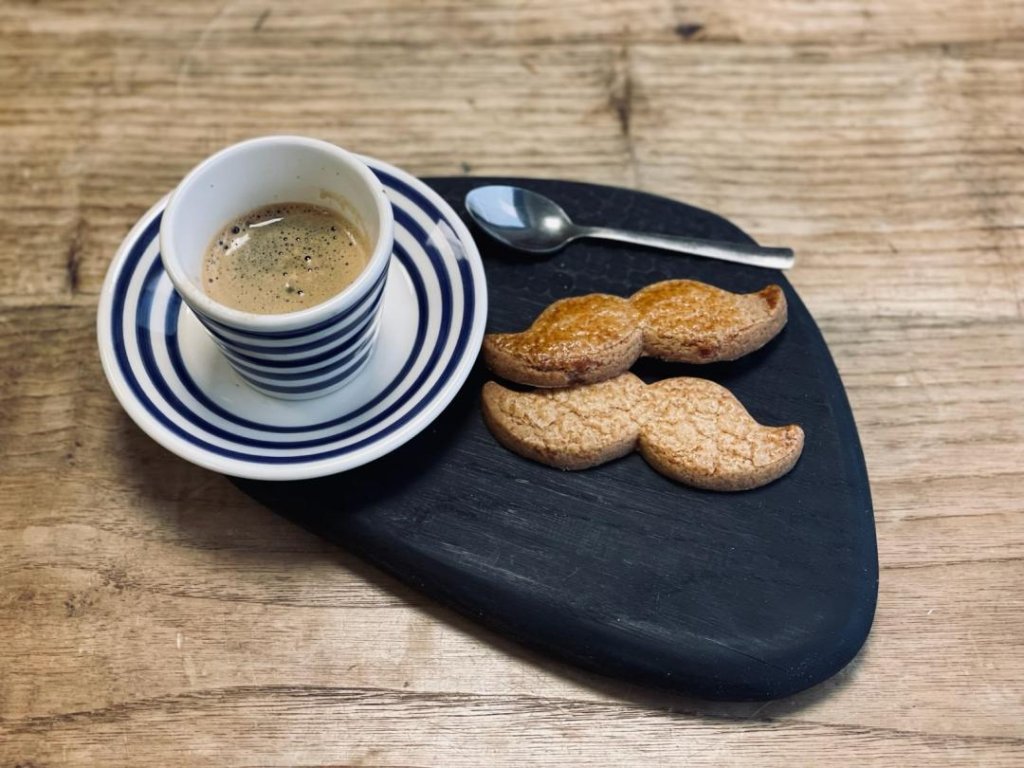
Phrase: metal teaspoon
x=531 y=222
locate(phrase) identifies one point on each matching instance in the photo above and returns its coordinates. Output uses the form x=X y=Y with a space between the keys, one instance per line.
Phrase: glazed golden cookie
x=691 y=430
x=579 y=340
x=685 y=321
x=586 y=339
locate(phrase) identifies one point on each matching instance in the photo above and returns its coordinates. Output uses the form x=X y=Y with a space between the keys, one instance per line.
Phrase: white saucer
x=174 y=382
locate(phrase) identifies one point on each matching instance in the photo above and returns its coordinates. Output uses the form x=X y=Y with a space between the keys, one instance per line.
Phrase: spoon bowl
x=520 y=218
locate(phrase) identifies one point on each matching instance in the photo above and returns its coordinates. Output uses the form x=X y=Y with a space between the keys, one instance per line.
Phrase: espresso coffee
x=283 y=258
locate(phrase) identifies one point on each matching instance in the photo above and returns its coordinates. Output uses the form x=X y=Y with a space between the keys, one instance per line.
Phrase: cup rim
x=195 y=297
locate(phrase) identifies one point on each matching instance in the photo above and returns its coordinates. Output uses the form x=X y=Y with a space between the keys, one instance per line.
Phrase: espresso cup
x=295 y=355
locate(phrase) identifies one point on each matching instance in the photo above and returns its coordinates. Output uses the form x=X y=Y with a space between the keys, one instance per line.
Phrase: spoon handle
x=755 y=255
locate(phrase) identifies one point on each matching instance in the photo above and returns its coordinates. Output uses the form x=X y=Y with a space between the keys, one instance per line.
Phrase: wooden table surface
x=150 y=614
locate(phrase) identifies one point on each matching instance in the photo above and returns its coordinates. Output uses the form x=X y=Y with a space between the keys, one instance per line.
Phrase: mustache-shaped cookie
x=592 y=338
x=691 y=430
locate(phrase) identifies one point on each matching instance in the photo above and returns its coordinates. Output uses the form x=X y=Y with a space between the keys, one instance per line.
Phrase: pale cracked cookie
x=566 y=428
x=691 y=430
x=697 y=432
x=592 y=338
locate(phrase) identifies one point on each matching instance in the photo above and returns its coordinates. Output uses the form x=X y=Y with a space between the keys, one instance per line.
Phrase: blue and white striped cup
x=296 y=355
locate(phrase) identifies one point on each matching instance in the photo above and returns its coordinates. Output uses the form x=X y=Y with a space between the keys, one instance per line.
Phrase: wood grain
x=152 y=615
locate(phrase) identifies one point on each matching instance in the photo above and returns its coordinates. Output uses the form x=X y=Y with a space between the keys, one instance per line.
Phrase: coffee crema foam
x=284 y=257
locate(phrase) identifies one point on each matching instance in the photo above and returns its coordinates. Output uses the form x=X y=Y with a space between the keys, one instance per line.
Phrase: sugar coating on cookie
x=566 y=428
x=691 y=430
x=697 y=432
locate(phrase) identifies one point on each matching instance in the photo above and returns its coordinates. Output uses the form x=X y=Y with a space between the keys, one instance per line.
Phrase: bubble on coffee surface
x=283 y=258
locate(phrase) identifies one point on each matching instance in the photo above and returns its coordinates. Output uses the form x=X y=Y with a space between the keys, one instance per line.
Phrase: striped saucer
x=175 y=383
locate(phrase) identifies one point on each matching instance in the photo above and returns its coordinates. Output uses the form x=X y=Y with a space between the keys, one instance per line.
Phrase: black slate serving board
x=752 y=595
